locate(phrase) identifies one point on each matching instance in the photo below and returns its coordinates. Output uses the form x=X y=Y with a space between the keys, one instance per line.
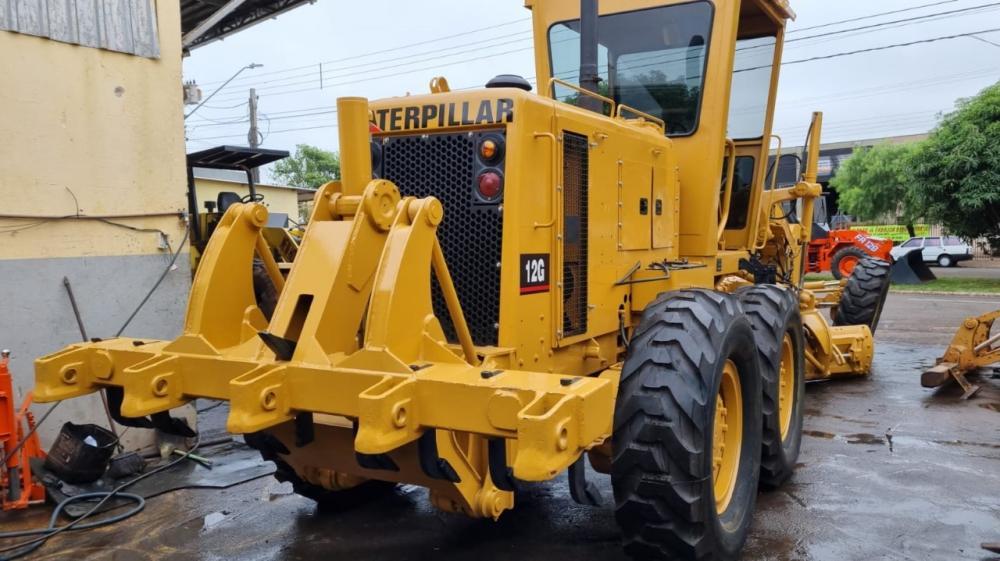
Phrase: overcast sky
x=883 y=93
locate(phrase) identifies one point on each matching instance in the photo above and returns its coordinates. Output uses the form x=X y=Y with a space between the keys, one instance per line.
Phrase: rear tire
x=777 y=328
x=945 y=261
x=692 y=352
x=864 y=296
x=845 y=260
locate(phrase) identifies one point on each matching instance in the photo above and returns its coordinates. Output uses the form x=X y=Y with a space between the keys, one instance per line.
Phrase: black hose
x=52 y=529
x=28 y=546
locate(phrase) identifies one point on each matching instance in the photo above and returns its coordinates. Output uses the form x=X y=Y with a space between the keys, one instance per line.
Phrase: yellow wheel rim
x=727 y=436
x=786 y=385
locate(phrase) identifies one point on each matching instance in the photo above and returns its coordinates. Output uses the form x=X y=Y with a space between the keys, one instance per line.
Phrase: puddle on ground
x=861 y=438
x=819 y=434
x=857 y=438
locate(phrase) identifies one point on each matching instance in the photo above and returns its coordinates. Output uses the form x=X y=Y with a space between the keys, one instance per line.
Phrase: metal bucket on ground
x=911 y=269
x=81 y=453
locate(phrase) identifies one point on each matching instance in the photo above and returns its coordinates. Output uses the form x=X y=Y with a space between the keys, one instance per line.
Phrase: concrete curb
x=945 y=293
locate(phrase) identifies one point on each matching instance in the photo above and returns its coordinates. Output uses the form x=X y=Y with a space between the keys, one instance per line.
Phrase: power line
x=280 y=88
x=873 y=49
x=861 y=18
x=270 y=117
x=319 y=68
x=800 y=61
x=904 y=20
x=978 y=38
x=393 y=49
x=394 y=74
x=319 y=74
x=883 y=89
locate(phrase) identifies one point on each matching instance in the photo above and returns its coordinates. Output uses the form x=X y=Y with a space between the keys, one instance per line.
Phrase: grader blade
x=974 y=347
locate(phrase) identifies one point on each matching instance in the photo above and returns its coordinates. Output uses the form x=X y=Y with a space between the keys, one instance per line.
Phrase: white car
x=945 y=251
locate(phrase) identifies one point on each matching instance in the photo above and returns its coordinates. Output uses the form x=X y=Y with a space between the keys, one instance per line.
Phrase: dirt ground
x=888 y=470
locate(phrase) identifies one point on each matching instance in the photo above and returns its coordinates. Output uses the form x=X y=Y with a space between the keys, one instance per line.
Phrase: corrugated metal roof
x=249 y=12
x=127 y=26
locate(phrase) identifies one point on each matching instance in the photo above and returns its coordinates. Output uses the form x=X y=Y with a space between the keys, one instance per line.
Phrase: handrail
x=555 y=178
x=727 y=195
x=641 y=114
x=764 y=211
x=554 y=81
x=777 y=162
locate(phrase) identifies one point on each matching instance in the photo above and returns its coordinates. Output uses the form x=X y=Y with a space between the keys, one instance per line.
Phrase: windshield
x=652 y=60
x=751 y=86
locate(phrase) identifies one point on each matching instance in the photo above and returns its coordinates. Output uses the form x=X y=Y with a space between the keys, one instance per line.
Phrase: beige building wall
x=97 y=134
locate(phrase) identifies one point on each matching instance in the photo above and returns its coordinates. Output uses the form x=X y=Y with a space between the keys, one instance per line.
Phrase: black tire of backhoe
x=264 y=290
x=661 y=470
x=774 y=312
x=840 y=255
x=864 y=295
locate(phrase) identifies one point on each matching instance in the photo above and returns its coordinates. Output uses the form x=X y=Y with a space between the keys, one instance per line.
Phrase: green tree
x=957 y=169
x=310 y=167
x=878 y=181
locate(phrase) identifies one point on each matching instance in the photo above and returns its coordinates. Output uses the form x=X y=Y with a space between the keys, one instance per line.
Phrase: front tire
x=864 y=296
x=777 y=328
x=687 y=430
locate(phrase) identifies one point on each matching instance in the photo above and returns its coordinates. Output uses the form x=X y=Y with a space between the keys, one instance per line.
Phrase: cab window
x=915 y=242
x=751 y=86
x=652 y=60
x=933 y=242
x=742 y=187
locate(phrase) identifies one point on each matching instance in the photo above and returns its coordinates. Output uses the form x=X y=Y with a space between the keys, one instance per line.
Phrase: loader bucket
x=911 y=269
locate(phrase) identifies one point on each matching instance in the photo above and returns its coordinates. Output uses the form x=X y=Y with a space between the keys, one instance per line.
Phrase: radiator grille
x=445 y=166
x=575 y=180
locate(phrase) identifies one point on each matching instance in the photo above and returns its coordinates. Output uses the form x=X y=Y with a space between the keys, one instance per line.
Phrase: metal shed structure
x=204 y=21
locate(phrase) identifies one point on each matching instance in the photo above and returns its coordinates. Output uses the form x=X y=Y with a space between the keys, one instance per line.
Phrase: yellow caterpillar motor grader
x=504 y=282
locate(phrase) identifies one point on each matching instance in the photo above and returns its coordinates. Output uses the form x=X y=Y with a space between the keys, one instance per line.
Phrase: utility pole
x=253 y=137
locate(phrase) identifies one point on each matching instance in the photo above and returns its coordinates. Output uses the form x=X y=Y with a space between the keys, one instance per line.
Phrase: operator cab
x=656 y=60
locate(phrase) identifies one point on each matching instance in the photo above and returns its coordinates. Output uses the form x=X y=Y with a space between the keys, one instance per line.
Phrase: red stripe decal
x=534 y=289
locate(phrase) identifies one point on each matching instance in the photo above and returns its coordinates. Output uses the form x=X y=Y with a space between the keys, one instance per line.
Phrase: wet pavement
x=888 y=470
